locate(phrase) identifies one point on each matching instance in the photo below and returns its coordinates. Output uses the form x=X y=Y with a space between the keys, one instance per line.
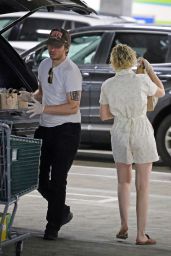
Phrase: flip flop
x=122 y=235
x=149 y=241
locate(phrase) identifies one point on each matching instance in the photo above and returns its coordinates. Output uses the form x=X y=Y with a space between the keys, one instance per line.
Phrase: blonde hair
x=122 y=57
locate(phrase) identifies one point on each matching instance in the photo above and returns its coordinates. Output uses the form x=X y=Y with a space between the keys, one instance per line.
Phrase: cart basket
x=21 y=176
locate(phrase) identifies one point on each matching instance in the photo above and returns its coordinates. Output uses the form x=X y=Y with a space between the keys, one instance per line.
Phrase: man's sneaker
x=67 y=218
x=50 y=234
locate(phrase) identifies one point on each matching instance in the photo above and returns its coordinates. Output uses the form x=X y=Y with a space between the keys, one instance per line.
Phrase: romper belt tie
x=126 y=124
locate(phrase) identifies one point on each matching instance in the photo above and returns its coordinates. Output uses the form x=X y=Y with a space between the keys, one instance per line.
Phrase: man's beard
x=56 y=57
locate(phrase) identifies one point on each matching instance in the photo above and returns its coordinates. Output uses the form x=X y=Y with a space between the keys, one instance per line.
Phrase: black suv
x=90 y=49
x=14 y=73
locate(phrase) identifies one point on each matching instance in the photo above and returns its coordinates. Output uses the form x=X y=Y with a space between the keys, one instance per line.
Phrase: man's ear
x=66 y=50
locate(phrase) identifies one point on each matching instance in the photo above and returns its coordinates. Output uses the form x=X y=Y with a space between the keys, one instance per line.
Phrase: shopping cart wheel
x=19 y=248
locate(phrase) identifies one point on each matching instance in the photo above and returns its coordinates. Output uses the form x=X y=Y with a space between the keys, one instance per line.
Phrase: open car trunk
x=9 y=6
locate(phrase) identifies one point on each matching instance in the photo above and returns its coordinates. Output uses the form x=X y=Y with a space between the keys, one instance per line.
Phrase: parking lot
x=92 y=196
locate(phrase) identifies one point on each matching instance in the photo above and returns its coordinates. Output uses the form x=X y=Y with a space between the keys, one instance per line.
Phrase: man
x=57 y=101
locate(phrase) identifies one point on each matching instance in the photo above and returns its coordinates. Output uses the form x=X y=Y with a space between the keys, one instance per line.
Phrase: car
x=90 y=50
x=35 y=28
x=14 y=73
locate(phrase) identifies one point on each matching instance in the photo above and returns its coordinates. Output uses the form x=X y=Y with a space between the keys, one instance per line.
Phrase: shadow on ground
x=35 y=246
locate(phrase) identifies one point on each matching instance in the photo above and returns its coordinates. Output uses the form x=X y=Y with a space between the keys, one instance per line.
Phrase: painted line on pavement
x=166 y=177
x=105 y=199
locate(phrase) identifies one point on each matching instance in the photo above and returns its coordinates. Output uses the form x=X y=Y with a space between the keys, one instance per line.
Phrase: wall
x=152 y=11
x=120 y=7
x=146 y=11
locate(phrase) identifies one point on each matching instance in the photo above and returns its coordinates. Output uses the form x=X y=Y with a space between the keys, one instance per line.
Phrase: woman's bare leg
x=142 y=188
x=124 y=181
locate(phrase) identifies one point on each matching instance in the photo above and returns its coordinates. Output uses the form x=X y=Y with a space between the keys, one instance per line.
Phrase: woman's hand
x=145 y=64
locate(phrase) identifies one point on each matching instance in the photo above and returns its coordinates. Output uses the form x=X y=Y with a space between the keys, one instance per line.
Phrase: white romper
x=132 y=135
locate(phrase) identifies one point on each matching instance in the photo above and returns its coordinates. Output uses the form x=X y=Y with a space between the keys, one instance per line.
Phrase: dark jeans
x=59 y=147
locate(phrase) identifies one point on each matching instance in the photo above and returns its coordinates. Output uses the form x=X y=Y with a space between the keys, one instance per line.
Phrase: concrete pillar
x=119 y=7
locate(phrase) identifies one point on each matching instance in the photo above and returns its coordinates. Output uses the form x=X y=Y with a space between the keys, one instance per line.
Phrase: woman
x=124 y=98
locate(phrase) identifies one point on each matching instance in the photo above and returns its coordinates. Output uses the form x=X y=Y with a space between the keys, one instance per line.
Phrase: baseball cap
x=59 y=37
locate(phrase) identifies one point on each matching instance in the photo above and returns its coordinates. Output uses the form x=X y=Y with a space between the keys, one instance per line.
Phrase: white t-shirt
x=66 y=78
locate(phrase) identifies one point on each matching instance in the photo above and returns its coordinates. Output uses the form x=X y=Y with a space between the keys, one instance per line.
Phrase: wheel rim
x=168 y=141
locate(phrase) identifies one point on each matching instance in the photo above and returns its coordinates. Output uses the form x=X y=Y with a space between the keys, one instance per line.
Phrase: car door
x=89 y=58
x=99 y=131
x=82 y=52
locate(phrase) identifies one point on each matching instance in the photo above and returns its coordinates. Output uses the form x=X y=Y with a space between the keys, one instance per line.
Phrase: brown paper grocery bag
x=22 y=104
x=9 y=100
x=151 y=100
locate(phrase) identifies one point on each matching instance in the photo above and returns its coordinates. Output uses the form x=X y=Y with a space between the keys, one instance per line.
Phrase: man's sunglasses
x=50 y=76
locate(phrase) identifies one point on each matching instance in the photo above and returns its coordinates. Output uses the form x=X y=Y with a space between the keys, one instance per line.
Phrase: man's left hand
x=35 y=107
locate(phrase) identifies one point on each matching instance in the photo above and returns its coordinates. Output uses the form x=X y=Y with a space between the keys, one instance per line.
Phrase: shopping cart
x=19 y=165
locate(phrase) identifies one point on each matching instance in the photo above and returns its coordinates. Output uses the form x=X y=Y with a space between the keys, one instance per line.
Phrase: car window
x=83 y=48
x=153 y=47
x=5 y=22
x=35 y=29
x=74 y=24
x=78 y=24
x=67 y=24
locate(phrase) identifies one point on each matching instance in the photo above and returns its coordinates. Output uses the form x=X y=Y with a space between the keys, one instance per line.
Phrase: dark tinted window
x=84 y=47
x=80 y=24
x=35 y=29
x=67 y=24
x=153 y=47
x=5 y=22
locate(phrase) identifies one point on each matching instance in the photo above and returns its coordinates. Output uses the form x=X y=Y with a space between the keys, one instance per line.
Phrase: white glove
x=25 y=96
x=143 y=62
x=35 y=107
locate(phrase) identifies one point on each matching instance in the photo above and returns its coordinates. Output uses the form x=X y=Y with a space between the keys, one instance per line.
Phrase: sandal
x=122 y=235
x=149 y=241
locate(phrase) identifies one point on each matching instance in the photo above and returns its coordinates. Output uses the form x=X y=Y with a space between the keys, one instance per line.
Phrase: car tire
x=163 y=140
